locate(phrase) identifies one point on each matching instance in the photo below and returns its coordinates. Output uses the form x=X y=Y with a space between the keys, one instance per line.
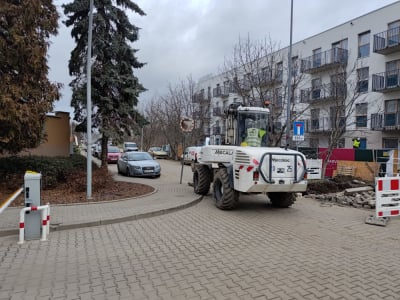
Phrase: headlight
x=157 y=168
x=137 y=167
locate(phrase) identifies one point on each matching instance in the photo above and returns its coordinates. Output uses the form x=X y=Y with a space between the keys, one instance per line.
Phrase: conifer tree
x=115 y=88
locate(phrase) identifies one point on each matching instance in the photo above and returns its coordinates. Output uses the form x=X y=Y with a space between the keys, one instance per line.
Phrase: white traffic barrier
x=10 y=199
x=45 y=217
x=387 y=194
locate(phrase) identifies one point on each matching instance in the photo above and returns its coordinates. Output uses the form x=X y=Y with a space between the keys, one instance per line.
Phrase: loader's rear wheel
x=201 y=179
x=224 y=195
x=282 y=200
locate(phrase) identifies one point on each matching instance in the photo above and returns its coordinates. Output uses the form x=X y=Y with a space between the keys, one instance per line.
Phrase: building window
x=361 y=114
x=362 y=80
x=391 y=113
x=390 y=143
x=314 y=143
x=393 y=33
x=363 y=44
x=295 y=66
x=316 y=88
x=279 y=71
x=315 y=118
x=343 y=44
x=316 y=58
x=392 y=73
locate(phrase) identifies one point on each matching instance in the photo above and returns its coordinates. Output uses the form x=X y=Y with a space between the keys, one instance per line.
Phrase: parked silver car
x=135 y=163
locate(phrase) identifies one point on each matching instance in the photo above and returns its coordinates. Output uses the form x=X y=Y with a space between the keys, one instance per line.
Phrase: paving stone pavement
x=309 y=251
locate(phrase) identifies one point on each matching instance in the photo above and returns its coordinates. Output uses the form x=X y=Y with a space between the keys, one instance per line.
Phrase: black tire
x=201 y=180
x=119 y=171
x=282 y=200
x=128 y=173
x=225 y=196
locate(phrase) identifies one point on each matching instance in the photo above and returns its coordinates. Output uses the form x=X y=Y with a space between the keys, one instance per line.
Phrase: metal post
x=89 y=105
x=183 y=152
x=289 y=80
x=141 y=140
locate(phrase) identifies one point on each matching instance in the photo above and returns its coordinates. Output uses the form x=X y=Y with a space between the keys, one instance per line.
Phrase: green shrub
x=54 y=170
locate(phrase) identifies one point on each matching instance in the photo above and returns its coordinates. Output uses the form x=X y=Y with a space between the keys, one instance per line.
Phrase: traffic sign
x=298 y=131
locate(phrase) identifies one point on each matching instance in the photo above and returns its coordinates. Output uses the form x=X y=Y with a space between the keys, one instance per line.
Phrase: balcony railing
x=325 y=60
x=217 y=111
x=216 y=130
x=388 y=41
x=325 y=92
x=200 y=98
x=386 y=81
x=270 y=77
x=217 y=92
x=324 y=124
x=385 y=121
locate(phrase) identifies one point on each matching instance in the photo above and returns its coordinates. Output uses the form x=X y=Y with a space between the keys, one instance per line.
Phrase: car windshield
x=113 y=150
x=136 y=156
x=130 y=145
x=156 y=149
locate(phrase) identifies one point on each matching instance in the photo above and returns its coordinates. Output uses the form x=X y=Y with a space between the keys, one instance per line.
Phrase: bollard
x=45 y=216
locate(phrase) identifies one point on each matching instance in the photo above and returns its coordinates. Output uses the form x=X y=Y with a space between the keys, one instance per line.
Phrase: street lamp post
x=289 y=80
x=89 y=105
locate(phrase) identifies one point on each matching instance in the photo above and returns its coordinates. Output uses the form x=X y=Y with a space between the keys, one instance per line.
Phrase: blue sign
x=298 y=128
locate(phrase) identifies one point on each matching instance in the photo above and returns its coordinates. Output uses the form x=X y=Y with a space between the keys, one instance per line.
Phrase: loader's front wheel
x=224 y=195
x=282 y=200
x=201 y=179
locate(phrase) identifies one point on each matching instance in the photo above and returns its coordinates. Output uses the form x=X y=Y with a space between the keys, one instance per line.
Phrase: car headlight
x=157 y=168
x=137 y=167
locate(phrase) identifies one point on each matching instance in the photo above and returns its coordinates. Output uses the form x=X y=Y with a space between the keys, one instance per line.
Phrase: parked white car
x=191 y=154
x=130 y=146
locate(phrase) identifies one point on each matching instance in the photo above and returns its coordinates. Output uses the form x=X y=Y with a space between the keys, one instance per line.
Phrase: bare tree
x=166 y=112
x=256 y=73
x=333 y=105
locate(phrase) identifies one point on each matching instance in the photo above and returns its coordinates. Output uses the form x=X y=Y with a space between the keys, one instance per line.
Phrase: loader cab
x=252 y=126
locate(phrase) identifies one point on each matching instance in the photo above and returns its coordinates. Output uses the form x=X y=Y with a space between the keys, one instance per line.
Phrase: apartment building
x=348 y=78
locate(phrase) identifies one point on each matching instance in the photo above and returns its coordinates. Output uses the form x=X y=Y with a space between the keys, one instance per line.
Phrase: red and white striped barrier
x=387 y=195
x=45 y=221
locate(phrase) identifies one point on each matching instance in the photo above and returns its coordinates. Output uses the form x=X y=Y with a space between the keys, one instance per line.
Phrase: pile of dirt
x=334 y=185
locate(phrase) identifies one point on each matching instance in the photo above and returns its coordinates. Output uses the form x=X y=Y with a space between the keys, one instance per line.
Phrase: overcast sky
x=179 y=38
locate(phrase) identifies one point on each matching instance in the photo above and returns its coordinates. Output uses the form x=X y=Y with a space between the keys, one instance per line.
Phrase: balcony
x=216 y=130
x=386 y=81
x=325 y=92
x=217 y=112
x=385 y=121
x=225 y=91
x=324 y=124
x=327 y=60
x=217 y=92
x=387 y=42
x=270 y=78
x=200 y=98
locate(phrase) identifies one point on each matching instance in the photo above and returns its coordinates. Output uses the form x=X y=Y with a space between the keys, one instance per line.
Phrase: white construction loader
x=246 y=165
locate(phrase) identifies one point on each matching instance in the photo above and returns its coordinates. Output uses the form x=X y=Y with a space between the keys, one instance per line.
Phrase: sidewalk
x=167 y=198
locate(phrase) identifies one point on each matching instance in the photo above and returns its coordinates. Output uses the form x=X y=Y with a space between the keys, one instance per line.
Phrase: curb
x=60 y=227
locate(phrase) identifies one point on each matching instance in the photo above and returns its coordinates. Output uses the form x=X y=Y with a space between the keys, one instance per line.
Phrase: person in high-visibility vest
x=356 y=143
x=254 y=137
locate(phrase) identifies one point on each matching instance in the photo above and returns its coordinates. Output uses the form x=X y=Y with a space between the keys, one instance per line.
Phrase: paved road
x=308 y=251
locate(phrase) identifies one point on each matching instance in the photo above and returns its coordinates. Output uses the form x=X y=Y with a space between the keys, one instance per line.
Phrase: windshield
x=253 y=128
x=130 y=145
x=113 y=150
x=136 y=156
